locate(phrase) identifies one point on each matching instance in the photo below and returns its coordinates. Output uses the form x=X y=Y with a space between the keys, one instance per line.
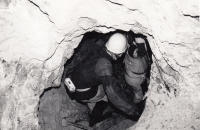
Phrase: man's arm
x=112 y=88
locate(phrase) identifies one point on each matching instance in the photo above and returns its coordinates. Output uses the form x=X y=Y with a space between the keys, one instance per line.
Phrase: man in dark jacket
x=94 y=81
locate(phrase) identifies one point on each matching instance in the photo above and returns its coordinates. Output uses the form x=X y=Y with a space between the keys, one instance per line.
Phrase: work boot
x=95 y=119
x=96 y=114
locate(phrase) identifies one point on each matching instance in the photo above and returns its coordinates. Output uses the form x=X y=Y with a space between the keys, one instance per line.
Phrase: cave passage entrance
x=58 y=108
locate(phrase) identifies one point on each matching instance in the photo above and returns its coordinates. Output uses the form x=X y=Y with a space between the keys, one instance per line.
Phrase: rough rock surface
x=38 y=36
x=57 y=110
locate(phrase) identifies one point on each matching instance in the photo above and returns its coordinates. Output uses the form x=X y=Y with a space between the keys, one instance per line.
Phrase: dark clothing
x=85 y=73
x=141 y=50
x=96 y=69
x=131 y=50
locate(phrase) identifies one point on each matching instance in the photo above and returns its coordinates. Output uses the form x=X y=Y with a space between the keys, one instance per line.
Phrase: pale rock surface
x=37 y=37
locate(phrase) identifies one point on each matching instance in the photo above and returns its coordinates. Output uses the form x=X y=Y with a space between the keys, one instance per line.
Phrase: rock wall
x=37 y=37
x=57 y=110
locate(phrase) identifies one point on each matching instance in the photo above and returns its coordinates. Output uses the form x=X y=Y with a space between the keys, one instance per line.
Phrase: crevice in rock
x=106 y=27
x=192 y=16
x=52 y=54
x=114 y=2
x=121 y=5
x=41 y=10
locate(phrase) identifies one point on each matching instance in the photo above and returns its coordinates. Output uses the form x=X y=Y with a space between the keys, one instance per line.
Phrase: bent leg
x=91 y=106
x=135 y=82
x=138 y=94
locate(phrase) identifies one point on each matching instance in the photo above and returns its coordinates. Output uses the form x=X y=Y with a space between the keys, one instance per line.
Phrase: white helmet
x=117 y=43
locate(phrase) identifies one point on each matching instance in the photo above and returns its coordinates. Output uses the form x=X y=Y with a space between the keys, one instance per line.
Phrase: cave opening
x=58 y=108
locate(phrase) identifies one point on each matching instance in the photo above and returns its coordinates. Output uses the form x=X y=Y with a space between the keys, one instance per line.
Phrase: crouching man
x=94 y=82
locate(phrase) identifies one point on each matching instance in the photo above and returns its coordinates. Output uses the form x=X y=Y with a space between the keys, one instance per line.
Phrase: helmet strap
x=111 y=54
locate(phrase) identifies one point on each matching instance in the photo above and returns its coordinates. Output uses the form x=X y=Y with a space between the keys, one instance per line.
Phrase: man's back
x=85 y=75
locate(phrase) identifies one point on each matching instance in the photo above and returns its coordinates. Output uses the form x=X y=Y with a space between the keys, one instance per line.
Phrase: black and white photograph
x=99 y=65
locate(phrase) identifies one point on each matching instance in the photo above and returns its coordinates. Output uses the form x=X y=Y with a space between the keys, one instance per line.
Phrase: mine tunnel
x=59 y=109
x=40 y=41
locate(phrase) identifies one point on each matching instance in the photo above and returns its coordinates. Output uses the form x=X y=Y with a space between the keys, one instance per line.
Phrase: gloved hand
x=131 y=50
x=141 y=49
x=129 y=92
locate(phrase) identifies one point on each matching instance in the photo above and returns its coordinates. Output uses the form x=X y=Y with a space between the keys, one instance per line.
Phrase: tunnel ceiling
x=37 y=37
